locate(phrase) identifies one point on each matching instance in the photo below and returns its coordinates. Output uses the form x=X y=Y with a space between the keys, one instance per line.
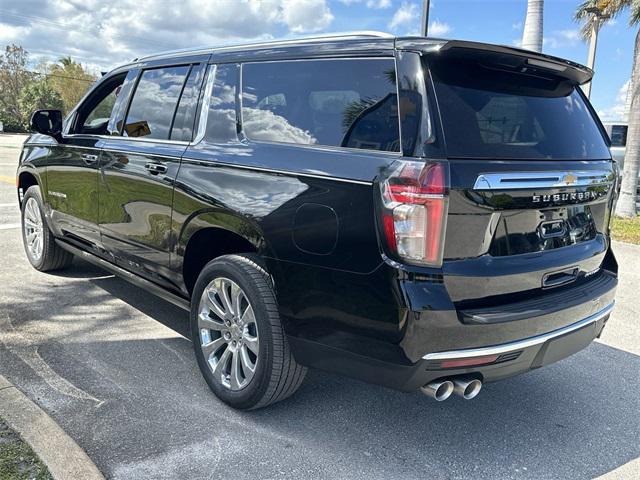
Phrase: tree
x=533 y=25
x=39 y=95
x=13 y=78
x=70 y=80
x=611 y=8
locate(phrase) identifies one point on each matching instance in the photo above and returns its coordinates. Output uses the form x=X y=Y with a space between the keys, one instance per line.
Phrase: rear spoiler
x=501 y=54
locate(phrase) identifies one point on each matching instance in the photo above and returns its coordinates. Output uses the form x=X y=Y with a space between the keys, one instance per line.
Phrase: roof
x=368 y=40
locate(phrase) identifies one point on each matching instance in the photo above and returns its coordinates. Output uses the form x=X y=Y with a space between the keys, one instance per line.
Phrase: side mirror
x=47 y=122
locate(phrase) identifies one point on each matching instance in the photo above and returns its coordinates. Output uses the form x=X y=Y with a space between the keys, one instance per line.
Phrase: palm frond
x=609 y=8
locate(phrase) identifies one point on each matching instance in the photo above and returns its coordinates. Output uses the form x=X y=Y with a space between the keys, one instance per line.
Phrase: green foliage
x=608 y=9
x=39 y=95
x=626 y=229
x=13 y=78
x=17 y=460
x=71 y=81
x=59 y=86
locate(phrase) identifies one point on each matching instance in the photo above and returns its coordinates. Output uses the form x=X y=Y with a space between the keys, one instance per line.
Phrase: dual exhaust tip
x=440 y=390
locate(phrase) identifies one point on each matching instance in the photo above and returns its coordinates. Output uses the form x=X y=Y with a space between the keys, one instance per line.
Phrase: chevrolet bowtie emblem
x=569 y=179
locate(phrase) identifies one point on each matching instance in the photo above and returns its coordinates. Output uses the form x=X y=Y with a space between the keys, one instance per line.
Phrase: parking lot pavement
x=112 y=366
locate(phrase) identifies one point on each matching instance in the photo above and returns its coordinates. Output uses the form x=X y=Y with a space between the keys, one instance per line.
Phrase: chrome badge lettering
x=568 y=197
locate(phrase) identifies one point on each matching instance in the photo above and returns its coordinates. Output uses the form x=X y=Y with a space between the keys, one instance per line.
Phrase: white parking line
x=9 y=226
x=5 y=205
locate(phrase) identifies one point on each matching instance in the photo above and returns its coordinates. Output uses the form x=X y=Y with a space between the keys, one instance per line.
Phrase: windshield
x=490 y=112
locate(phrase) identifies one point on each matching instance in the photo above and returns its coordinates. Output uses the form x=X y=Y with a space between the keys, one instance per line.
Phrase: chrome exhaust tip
x=439 y=390
x=467 y=388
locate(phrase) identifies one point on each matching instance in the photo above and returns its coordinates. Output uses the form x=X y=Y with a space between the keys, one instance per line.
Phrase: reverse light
x=415 y=204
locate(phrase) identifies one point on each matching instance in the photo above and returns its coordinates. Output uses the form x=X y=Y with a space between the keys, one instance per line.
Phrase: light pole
x=598 y=19
x=425 y=17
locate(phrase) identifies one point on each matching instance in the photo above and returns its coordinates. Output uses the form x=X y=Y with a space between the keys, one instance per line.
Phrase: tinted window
x=221 y=118
x=347 y=103
x=185 y=114
x=618 y=135
x=491 y=113
x=154 y=103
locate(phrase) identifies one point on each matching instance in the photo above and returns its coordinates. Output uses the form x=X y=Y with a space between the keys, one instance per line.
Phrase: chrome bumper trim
x=519 y=344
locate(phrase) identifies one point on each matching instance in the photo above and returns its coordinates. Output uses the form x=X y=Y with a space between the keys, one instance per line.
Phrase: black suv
x=417 y=213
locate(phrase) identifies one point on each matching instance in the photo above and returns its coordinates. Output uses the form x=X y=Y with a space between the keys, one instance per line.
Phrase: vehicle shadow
x=574 y=419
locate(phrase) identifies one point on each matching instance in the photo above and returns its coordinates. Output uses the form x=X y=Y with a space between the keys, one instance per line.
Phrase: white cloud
x=617 y=111
x=306 y=15
x=103 y=34
x=406 y=15
x=517 y=26
x=378 y=4
x=437 y=29
x=562 y=38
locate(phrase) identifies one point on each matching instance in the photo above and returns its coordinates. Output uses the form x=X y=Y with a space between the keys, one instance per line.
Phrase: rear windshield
x=488 y=112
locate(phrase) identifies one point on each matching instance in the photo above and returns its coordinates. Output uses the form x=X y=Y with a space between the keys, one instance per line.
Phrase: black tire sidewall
x=250 y=395
x=34 y=192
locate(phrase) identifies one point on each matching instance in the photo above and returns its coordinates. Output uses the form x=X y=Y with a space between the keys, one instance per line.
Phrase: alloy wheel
x=228 y=333
x=33 y=229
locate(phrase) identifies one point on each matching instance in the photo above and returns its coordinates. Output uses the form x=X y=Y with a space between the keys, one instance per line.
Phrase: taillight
x=415 y=211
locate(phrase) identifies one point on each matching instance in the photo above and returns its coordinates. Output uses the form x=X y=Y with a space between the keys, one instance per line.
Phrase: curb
x=63 y=457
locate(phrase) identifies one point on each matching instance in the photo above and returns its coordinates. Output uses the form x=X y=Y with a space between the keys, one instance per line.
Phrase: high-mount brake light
x=415 y=211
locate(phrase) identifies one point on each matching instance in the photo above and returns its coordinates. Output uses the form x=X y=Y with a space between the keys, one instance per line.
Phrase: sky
x=101 y=34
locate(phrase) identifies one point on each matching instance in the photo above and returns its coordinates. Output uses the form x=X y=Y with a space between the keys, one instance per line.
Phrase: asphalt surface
x=111 y=364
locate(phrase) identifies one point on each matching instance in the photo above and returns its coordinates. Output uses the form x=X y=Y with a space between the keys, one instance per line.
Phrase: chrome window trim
x=312 y=59
x=119 y=138
x=544 y=179
x=206 y=101
x=520 y=344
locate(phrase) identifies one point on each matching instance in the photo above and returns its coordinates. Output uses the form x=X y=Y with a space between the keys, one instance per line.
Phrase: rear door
x=532 y=181
x=139 y=167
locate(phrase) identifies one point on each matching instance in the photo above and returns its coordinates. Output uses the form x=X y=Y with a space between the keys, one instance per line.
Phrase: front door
x=138 y=169
x=72 y=169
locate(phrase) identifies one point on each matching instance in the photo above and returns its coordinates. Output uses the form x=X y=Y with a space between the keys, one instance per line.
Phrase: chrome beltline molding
x=530 y=180
x=520 y=344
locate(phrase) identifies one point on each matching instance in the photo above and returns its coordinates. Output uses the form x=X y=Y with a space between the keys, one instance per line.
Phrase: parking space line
x=5 y=205
x=9 y=226
x=6 y=179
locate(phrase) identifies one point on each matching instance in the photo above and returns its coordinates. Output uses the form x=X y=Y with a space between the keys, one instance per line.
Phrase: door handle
x=88 y=158
x=155 y=168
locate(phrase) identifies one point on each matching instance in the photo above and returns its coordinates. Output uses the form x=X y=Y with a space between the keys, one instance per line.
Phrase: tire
x=252 y=339
x=39 y=243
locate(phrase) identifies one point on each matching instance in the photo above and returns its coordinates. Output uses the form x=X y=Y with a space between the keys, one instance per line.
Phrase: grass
x=626 y=229
x=17 y=460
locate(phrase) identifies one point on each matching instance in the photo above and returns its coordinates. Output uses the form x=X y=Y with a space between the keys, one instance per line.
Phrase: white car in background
x=617 y=132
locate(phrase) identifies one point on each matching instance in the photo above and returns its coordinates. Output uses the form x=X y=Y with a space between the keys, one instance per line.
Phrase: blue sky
x=501 y=21
x=103 y=34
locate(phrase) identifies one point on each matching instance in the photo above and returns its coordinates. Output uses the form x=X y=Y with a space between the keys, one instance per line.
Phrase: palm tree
x=611 y=8
x=532 y=35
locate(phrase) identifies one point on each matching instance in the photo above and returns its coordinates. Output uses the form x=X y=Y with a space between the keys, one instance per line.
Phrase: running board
x=136 y=280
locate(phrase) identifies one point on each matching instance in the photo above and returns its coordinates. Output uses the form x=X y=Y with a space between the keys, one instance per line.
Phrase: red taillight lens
x=415 y=211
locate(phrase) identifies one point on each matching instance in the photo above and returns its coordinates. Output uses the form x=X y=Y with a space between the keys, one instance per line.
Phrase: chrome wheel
x=228 y=333
x=32 y=226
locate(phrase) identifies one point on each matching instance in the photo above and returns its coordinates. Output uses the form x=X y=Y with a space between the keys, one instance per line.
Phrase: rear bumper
x=513 y=357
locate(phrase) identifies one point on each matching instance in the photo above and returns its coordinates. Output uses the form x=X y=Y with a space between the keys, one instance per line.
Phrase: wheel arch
x=27 y=178
x=211 y=234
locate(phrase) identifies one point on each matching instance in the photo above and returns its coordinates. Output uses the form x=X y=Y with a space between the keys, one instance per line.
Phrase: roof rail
x=328 y=36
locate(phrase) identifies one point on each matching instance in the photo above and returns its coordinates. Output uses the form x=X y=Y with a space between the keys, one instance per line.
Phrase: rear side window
x=154 y=103
x=346 y=103
x=185 y=114
x=221 y=116
x=492 y=113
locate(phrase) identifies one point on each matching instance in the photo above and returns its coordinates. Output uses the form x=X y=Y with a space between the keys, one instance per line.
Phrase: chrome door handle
x=155 y=168
x=88 y=158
